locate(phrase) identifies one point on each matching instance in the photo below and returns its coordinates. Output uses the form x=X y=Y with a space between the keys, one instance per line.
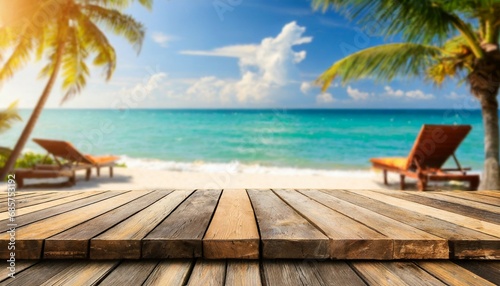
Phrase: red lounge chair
x=435 y=144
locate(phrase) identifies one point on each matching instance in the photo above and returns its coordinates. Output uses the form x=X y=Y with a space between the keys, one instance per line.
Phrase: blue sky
x=238 y=54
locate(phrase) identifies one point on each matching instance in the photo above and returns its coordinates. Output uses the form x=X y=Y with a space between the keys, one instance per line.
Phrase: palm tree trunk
x=9 y=165
x=491 y=173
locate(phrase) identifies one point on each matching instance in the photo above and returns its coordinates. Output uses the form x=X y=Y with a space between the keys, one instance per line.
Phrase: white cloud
x=234 y=51
x=418 y=94
x=305 y=87
x=324 y=98
x=454 y=96
x=162 y=39
x=264 y=67
x=356 y=94
x=396 y=93
x=412 y=94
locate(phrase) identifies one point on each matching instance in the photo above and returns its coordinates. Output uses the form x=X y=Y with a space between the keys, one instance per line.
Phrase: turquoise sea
x=249 y=140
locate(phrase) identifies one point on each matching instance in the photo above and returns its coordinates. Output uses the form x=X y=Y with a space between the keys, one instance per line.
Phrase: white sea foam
x=237 y=167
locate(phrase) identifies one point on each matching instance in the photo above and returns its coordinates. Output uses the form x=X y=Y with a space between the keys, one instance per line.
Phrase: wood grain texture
x=74 y=242
x=309 y=272
x=243 y=273
x=464 y=242
x=19 y=267
x=208 y=273
x=489 y=270
x=376 y=274
x=81 y=273
x=180 y=234
x=170 y=272
x=29 y=239
x=38 y=273
x=412 y=274
x=55 y=210
x=123 y=241
x=409 y=242
x=284 y=233
x=349 y=239
x=452 y=274
x=472 y=196
x=130 y=273
x=23 y=202
x=481 y=226
x=47 y=205
x=458 y=208
x=233 y=230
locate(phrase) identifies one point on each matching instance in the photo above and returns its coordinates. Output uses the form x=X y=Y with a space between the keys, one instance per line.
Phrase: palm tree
x=441 y=39
x=67 y=32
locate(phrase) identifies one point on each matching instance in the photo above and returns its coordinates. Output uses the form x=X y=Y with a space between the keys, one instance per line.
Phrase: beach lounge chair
x=435 y=144
x=65 y=154
x=22 y=174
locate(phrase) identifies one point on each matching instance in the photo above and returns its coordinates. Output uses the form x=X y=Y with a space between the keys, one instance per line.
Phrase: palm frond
x=121 y=4
x=74 y=68
x=18 y=59
x=120 y=24
x=417 y=21
x=95 y=41
x=8 y=117
x=383 y=62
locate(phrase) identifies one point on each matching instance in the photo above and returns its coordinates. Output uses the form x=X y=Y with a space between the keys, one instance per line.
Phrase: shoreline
x=144 y=179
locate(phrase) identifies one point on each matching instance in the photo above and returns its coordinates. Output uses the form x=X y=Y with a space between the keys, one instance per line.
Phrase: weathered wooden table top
x=254 y=273
x=253 y=224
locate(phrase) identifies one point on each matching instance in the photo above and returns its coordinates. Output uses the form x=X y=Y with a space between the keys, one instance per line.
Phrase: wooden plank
x=243 y=273
x=26 y=202
x=284 y=233
x=469 y=211
x=170 y=272
x=409 y=242
x=489 y=270
x=481 y=226
x=82 y=273
x=18 y=196
x=464 y=242
x=374 y=273
x=38 y=273
x=180 y=234
x=130 y=273
x=46 y=205
x=495 y=194
x=29 y=239
x=452 y=274
x=309 y=272
x=19 y=267
x=233 y=231
x=471 y=196
x=123 y=241
x=208 y=273
x=52 y=211
x=460 y=201
x=349 y=239
x=412 y=274
x=74 y=242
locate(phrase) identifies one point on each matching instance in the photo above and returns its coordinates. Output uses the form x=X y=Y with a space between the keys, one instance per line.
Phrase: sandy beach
x=144 y=179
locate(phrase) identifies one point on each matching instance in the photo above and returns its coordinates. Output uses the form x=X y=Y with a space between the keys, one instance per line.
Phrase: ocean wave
x=237 y=167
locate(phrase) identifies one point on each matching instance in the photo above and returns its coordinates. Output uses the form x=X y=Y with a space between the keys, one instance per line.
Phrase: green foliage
x=27 y=160
x=121 y=165
x=443 y=38
x=8 y=116
x=382 y=62
x=70 y=30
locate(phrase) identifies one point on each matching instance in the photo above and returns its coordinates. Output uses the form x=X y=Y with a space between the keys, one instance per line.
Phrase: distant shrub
x=27 y=160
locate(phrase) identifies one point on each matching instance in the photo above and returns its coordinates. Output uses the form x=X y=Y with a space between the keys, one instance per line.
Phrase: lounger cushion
x=391 y=162
x=101 y=160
